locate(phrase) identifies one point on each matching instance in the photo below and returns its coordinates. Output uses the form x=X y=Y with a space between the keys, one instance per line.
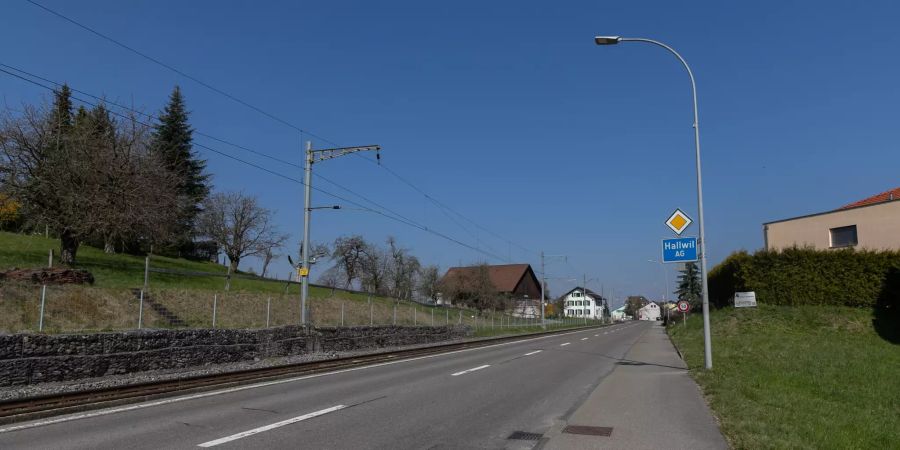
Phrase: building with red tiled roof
x=871 y=223
x=516 y=281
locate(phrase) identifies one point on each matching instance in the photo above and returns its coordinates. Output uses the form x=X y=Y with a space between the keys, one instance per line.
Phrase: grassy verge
x=798 y=377
x=249 y=303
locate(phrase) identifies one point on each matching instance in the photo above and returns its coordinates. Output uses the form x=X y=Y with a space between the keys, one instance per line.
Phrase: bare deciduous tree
x=348 y=253
x=239 y=225
x=429 y=279
x=84 y=174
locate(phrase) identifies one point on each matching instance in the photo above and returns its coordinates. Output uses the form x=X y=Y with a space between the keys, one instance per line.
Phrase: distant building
x=580 y=302
x=619 y=314
x=529 y=309
x=515 y=281
x=872 y=223
x=649 y=312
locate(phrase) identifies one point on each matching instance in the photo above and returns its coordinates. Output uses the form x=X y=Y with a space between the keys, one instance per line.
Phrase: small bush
x=805 y=276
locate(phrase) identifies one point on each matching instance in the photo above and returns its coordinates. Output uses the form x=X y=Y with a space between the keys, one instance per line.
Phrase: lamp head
x=607 y=40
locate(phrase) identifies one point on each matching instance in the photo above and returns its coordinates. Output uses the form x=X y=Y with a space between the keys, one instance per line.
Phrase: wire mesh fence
x=184 y=299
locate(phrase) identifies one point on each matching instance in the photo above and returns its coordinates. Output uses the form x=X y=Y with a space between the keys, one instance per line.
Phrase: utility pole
x=543 y=283
x=314 y=156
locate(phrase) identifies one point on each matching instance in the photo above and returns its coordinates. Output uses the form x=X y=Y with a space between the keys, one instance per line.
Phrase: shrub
x=804 y=276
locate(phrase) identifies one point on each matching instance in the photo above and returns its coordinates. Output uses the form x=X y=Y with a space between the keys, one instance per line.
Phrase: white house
x=649 y=312
x=581 y=303
x=618 y=314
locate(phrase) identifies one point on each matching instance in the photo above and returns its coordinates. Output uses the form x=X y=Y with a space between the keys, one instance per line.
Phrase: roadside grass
x=797 y=377
x=111 y=305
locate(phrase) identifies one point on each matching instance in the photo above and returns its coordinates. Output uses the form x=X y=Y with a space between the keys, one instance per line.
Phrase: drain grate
x=588 y=430
x=525 y=436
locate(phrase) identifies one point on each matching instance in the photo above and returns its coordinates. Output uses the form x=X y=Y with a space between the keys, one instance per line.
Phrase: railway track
x=19 y=410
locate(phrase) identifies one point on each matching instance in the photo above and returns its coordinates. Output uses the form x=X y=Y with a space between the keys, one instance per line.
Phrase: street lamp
x=612 y=40
x=665 y=276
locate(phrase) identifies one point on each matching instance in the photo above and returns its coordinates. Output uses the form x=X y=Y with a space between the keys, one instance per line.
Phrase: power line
x=175 y=69
x=265 y=113
x=149 y=116
x=390 y=215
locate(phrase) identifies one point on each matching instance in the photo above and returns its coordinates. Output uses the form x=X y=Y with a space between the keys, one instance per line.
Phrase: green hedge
x=804 y=276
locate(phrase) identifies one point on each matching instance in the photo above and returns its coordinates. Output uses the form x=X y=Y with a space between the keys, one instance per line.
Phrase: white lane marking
x=596 y=335
x=533 y=353
x=470 y=370
x=606 y=332
x=583 y=339
x=104 y=412
x=563 y=345
x=244 y=434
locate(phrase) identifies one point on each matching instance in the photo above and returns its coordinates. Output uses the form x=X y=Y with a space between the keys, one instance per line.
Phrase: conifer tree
x=173 y=143
x=689 y=284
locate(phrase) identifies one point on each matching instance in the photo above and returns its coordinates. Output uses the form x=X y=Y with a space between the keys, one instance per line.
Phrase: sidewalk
x=650 y=402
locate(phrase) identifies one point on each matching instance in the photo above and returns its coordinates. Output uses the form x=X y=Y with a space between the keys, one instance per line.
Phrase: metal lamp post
x=665 y=277
x=612 y=40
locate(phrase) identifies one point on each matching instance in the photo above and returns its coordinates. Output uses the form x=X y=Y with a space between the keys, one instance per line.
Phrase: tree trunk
x=68 y=247
x=109 y=245
x=234 y=263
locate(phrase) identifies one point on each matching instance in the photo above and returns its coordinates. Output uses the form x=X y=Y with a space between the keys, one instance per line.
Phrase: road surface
x=473 y=398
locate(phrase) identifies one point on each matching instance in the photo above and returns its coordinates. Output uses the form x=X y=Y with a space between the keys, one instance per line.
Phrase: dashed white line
x=563 y=345
x=471 y=370
x=584 y=339
x=244 y=434
x=596 y=335
x=533 y=353
x=104 y=412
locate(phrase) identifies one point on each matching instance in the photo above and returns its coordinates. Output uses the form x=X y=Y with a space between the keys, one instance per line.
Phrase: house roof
x=504 y=277
x=886 y=196
x=593 y=295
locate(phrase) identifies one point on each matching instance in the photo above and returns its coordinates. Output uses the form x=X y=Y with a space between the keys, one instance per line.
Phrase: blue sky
x=508 y=113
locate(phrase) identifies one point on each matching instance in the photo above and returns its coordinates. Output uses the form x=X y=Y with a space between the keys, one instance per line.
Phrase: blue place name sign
x=679 y=250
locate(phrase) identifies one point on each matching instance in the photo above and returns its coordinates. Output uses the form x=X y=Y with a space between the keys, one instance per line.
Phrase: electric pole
x=314 y=156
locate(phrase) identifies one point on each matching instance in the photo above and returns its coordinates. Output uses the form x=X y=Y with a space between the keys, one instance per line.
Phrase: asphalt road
x=467 y=399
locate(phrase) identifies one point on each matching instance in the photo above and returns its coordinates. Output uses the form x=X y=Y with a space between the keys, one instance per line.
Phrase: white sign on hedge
x=745 y=299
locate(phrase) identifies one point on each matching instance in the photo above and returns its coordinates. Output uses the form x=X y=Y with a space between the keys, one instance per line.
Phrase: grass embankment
x=249 y=303
x=798 y=377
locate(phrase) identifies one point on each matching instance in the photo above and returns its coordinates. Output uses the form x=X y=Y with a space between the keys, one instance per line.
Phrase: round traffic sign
x=684 y=306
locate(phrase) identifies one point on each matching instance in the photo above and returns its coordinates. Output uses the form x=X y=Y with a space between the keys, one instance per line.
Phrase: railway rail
x=19 y=410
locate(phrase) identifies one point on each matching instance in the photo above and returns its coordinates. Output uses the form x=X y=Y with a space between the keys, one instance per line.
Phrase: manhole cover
x=525 y=436
x=590 y=431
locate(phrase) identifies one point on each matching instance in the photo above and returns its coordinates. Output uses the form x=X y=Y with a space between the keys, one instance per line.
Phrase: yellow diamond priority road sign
x=678 y=222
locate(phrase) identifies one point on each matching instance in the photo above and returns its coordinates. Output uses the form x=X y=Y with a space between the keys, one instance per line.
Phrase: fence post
x=43 y=298
x=147 y=272
x=141 y=311
x=371 y=313
x=395 y=315
x=342 y=313
x=460 y=317
x=415 y=316
x=228 y=278
x=215 y=304
x=432 y=316
x=268 y=310
x=50 y=261
x=447 y=313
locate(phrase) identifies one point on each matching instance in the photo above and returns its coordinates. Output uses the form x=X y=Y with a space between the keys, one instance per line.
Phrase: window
x=843 y=236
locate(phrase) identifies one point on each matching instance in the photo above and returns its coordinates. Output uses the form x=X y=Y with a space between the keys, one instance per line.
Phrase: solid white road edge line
x=533 y=353
x=244 y=434
x=104 y=412
x=470 y=370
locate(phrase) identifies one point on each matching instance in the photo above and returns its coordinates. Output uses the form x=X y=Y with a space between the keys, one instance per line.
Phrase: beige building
x=872 y=223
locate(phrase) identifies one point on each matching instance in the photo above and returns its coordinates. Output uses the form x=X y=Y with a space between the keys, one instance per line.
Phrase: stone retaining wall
x=38 y=358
